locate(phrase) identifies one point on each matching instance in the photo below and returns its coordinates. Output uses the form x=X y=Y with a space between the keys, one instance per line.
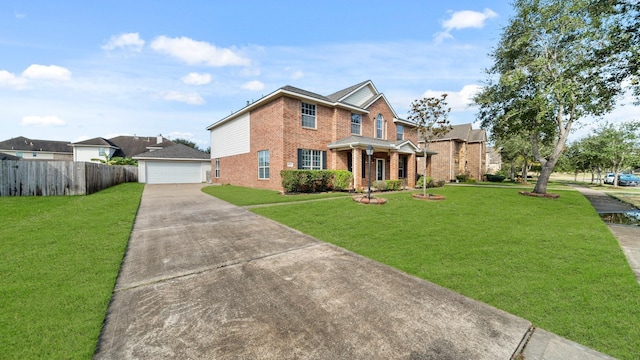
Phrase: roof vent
x=159 y=139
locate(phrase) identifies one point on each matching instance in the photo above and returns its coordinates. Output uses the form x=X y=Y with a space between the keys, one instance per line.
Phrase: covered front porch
x=389 y=161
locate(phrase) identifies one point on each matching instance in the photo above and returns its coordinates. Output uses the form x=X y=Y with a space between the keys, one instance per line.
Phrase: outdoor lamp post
x=369 y=153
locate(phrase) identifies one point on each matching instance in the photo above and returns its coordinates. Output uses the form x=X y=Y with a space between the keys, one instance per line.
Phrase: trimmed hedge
x=307 y=181
x=495 y=178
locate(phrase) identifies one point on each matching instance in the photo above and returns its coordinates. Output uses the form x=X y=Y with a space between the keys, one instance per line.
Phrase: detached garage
x=176 y=164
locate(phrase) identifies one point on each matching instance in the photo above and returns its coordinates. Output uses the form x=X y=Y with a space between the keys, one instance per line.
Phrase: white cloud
x=19 y=16
x=297 y=75
x=468 y=19
x=42 y=121
x=51 y=72
x=464 y=19
x=198 y=52
x=130 y=41
x=457 y=100
x=254 y=85
x=189 y=98
x=8 y=79
x=196 y=79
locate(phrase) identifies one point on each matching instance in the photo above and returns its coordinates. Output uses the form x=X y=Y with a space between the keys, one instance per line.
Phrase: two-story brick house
x=293 y=128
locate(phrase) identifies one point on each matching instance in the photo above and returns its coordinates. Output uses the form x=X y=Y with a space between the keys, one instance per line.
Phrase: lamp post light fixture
x=369 y=153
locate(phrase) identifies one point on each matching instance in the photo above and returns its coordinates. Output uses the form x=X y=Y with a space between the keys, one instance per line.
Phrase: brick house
x=463 y=150
x=293 y=128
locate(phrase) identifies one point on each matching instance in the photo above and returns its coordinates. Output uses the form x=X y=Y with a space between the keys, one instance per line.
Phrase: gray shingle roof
x=296 y=90
x=175 y=151
x=98 y=141
x=22 y=143
x=342 y=93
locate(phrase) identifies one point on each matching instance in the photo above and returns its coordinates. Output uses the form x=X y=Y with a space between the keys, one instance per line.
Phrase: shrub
x=315 y=180
x=394 y=185
x=380 y=185
x=420 y=184
x=341 y=179
x=495 y=178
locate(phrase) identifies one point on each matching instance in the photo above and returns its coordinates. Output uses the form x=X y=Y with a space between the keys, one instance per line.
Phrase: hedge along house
x=293 y=128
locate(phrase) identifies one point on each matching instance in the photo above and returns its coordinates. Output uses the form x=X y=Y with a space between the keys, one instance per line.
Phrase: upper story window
x=308 y=115
x=356 y=124
x=379 y=126
x=399 y=132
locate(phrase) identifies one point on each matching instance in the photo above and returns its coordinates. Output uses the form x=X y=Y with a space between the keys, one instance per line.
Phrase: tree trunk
x=525 y=168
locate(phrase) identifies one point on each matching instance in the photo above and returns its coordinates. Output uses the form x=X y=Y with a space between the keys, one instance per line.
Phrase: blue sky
x=73 y=70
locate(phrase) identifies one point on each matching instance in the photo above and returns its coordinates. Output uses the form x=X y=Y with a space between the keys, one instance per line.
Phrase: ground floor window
x=312 y=159
x=263 y=164
x=217 y=167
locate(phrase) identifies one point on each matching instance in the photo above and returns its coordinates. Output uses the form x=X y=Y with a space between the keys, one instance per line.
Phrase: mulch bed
x=431 y=197
x=365 y=200
x=548 y=195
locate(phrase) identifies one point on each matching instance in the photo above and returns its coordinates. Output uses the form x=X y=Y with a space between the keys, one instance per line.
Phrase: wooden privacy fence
x=49 y=178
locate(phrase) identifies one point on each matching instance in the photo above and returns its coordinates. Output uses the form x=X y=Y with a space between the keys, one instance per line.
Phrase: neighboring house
x=494 y=160
x=293 y=128
x=4 y=156
x=97 y=149
x=463 y=150
x=31 y=149
x=173 y=164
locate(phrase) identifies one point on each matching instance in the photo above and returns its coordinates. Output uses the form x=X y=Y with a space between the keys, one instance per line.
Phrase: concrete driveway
x=203 y=279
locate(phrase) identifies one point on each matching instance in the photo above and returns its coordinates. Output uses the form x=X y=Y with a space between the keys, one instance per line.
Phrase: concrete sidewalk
x=205 y=279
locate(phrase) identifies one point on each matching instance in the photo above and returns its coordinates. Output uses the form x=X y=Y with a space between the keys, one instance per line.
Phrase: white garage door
x=159 y=172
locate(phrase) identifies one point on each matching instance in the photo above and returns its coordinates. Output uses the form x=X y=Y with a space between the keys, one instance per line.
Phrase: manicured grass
x=60 y=260
x=553 y=262
x=243 y=196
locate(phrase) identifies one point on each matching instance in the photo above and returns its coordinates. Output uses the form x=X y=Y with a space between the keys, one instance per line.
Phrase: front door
x=379 y=169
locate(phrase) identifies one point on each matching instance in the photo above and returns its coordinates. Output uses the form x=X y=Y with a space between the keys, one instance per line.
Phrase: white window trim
x=217 y=168
x=398 y=126
x=312 y=154
x=267 y=166
x=379 y=116
x=315 y=115
x=359 y=125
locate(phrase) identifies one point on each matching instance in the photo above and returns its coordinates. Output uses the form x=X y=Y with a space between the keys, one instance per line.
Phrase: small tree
x=431 y=116
x=619 y=145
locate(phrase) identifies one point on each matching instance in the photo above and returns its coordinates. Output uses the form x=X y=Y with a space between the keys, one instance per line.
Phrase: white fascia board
x=403 y=122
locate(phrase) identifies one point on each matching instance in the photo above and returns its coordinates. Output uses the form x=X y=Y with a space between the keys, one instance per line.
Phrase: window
x=379 y=124
x=399 y=132
x=312 y=159
x=217 y=168
x=19 y=154
x=402 y=165
x=34 y=154
x=356 y=122
x=308 y=115
x=263 y=164
x=102 y=152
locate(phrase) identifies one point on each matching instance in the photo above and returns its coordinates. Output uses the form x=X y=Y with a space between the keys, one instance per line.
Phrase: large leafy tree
x=619 y=145
x=555 y=64
x=431 y=117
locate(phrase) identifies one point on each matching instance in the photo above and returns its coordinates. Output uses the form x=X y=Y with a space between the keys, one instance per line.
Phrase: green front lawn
x=60 y=260
x=244 y=196
x=553 y=262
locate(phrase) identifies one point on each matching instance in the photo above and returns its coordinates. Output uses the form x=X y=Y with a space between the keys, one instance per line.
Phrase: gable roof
x=347 y=98
x=127 y=146
x=175 y=152
x=464 y=132
x=22 y=143
x=358 y=141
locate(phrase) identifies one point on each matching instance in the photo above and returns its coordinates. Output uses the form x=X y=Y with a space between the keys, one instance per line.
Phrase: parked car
x=608 y=179
x=628 y=180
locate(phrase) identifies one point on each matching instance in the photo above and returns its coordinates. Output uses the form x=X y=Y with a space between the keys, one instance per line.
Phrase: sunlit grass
x=60 y=260
x=553 y=262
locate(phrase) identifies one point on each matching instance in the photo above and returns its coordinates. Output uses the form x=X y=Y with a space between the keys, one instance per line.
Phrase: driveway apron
x=203 y=279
